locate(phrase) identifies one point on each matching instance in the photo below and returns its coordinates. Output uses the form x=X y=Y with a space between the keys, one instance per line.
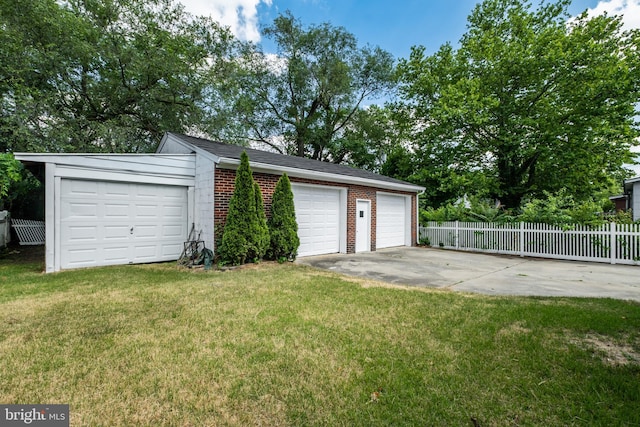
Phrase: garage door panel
x=145 y=252
x=79 y=257
x=147 y=211
x=73 y=209
x=172 y=211
x=116 y=210
x=115 y=254
x=120 y=223
x=82 y=188
x=116 y=232
x=171 y=231
x=114 y=190
x=318 y=217
x=82 y=234
x=147 y=232
x=171 y=251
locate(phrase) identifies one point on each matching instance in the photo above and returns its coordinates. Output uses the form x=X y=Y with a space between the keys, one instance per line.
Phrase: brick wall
x=225 y=180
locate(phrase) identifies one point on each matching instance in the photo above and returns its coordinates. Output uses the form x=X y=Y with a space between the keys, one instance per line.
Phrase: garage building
x=106 y=209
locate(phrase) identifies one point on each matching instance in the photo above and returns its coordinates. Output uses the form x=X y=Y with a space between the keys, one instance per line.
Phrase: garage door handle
x=131 y=231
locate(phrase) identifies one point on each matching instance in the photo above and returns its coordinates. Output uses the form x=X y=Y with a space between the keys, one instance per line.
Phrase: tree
x=9 y=173
x=238 y=242
x=534 y=102
x=102 y=75
x=283 y=227
x=260 y=233
x=301 y=102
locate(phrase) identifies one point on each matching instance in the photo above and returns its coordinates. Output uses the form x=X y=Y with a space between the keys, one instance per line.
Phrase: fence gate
x=29 y=232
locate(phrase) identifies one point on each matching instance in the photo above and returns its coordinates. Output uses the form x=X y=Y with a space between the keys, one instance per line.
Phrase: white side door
x=363 y=225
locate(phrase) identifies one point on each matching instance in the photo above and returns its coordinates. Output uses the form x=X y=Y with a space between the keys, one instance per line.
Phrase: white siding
x=204 y=199
x=635 y=201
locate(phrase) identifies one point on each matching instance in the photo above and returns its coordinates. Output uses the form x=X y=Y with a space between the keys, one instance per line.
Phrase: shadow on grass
x=24 y=256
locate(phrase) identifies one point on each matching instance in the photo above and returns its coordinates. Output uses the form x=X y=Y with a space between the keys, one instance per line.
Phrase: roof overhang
x=619 y=197
x=628 y=183
x=232 y=163
x=175 y=166
x=227 y=163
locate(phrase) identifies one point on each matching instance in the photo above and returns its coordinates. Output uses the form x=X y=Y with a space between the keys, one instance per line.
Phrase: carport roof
x=230 y=154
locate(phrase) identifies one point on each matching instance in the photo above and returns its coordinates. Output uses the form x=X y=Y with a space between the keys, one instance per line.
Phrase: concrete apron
x=486 y=274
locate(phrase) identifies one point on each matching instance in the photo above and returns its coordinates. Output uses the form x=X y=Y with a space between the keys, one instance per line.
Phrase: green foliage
x=260 y=233
x=528 y=101
x=9 y=173
x=283 y=226
x=561 y=209
x=313 y=93
x=469 y=209
x=96 y=76
x=238 y=241
x=621 y=217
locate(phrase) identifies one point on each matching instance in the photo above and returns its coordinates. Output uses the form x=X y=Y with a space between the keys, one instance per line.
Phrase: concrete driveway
x=486 y=274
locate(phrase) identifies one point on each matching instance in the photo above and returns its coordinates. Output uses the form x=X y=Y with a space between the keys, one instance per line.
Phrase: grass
x=289 y=345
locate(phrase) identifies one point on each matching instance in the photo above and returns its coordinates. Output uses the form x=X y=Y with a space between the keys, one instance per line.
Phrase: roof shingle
x=230 y=151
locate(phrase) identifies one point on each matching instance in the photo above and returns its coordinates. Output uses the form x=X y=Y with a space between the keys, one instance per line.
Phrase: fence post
x=521 y=239
x=612 y=242
x=457 y=234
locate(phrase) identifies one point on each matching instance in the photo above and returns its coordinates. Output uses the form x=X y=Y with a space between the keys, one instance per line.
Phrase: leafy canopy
x=92 y=76
x=302 y=101
x=532 y=101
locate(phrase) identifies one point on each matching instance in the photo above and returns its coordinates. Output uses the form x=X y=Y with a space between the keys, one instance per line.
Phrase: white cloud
x=629 y=9
x=241 y=16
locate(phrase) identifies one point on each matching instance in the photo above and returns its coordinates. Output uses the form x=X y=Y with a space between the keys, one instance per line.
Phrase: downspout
x=418 y=215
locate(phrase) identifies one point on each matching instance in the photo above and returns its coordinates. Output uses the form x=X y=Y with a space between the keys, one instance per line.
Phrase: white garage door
x=318 y=216
x=106 y=223
x=391 y=221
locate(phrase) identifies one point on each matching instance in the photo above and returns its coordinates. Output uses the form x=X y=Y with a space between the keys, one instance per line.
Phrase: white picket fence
x=29 y=232
x=611 y=243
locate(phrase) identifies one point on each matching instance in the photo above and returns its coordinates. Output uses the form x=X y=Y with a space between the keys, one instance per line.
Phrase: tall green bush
x=260 y=233
x=237 y=243
x=283 y=227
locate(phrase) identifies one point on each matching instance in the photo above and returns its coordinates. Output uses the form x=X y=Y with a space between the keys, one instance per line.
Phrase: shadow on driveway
x=486 y=274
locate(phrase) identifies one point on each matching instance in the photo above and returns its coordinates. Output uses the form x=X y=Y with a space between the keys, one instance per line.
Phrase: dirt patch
x=611 y=353
x=513 y=330
x=22 y=254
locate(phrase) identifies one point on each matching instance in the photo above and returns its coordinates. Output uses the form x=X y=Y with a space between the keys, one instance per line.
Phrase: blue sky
x=394 y=26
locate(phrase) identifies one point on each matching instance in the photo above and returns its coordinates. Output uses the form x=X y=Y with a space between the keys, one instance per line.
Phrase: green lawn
x=288 y=345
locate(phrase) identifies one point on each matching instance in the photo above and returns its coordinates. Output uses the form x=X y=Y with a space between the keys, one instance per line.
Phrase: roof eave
x=320 y=176
x=632 y=180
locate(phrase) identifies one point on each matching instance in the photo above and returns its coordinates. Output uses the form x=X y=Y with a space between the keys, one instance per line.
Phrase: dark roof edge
x=228 y=155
